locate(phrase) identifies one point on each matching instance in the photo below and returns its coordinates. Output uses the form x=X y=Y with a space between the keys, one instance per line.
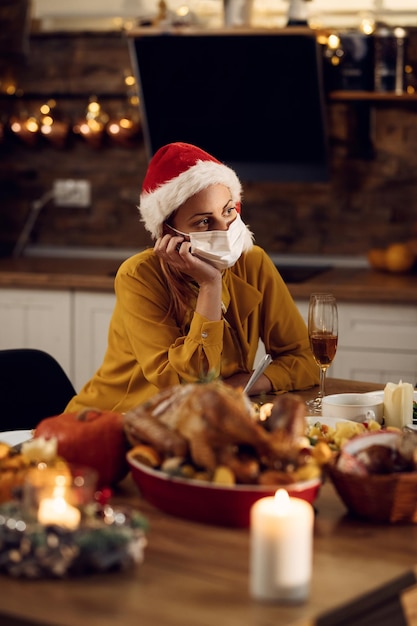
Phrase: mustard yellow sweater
x=147 y=352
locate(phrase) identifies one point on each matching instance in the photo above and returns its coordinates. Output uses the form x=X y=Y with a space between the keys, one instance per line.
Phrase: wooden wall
x=371 y=199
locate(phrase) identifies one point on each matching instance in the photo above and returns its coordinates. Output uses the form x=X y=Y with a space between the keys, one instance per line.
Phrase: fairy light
x=113 y=128
x=93 y=109
x=45 y=109
x=367 y=23
x=130 y=81
x=334 y=51
x=183 y=11
x=16 y=126
x=333 y=42
x=10 y=89
x=32 y=125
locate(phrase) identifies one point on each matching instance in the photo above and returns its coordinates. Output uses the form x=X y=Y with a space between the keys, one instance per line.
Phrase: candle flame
x=282 y=502
x=56 y=509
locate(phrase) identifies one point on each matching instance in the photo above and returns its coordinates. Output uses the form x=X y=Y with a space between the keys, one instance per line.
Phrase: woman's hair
x=181 y=291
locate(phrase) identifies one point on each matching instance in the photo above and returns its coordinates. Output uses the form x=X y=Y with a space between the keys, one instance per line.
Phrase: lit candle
x=56 y=510
x=281 y=548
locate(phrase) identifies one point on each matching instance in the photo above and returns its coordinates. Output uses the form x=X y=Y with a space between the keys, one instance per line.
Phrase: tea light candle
x=281 y=548
x=56 y=510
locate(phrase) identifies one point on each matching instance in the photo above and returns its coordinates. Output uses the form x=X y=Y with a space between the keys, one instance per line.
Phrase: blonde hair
x=181 y=291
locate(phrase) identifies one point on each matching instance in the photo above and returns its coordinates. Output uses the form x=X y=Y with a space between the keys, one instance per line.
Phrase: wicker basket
x=378 y=498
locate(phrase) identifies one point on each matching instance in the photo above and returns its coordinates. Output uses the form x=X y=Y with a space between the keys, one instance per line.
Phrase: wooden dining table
x=198 y=575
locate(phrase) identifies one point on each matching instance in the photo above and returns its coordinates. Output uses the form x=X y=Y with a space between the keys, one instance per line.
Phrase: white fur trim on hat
x=156 y=206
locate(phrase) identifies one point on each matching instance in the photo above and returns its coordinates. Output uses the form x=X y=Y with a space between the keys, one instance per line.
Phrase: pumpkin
x=92 y=438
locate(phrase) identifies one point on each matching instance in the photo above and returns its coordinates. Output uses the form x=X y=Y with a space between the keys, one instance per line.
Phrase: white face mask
x=220 y=248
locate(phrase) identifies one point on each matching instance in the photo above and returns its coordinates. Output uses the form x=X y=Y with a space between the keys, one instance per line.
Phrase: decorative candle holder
x=58 y=529
x=108 y=539
x=125 y=129
x=26 y=128
x=56 y=495
x=93 y=126
x=53 y=127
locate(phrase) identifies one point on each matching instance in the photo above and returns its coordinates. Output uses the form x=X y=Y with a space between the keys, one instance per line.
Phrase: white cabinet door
x=377 y=342
x=375 y=366
x=92 y=313
x=379 y=327
x=37 y=318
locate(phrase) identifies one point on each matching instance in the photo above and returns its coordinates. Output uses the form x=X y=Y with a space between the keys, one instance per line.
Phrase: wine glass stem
x=322 y=381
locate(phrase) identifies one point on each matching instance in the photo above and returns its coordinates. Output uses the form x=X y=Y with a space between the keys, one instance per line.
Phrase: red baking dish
x=208 y=503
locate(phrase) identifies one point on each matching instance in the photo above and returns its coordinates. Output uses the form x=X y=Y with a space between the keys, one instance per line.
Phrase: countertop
x=349 y=284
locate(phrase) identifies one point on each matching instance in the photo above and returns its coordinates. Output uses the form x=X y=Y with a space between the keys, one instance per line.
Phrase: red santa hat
x=176 y=172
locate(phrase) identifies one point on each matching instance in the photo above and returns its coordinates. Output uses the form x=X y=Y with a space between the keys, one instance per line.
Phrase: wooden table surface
x=197 y=575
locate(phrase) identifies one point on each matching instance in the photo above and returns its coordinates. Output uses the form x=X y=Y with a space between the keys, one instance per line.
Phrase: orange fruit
x=146 y=455
x=399 y=258
x=376 y=258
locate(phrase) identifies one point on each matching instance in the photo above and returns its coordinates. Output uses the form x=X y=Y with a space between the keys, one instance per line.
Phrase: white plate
x=327 y=421
x=14 y=437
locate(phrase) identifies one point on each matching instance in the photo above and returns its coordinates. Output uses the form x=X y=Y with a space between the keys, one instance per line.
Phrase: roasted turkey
x=214 y=424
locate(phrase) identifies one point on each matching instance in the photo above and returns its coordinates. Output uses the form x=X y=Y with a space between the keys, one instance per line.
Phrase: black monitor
x=254 y=100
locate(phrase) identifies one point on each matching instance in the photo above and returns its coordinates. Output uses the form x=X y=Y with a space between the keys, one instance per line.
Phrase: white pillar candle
x=398 y=404
x=281 y=548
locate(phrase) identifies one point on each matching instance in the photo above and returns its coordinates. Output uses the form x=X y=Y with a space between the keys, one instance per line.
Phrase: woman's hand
x=176 y=253
x=262 y=385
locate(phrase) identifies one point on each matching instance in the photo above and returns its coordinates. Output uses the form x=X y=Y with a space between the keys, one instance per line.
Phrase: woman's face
x=209 y=209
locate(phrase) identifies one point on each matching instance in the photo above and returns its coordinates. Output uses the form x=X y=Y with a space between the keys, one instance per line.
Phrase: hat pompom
x=176 y=172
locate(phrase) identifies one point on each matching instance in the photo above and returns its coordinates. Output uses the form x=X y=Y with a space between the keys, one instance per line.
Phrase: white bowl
x=357 y=407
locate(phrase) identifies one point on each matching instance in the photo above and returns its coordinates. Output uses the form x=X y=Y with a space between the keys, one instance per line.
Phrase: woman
x=194 y=307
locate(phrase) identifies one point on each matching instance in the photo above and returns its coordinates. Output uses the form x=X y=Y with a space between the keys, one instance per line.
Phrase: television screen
x=255 y=101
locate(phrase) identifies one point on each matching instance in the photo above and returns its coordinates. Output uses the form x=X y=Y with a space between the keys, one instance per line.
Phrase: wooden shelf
x=362 y=105
x=371 y=96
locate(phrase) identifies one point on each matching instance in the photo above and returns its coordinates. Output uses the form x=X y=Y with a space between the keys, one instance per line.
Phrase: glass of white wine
x=323 y=335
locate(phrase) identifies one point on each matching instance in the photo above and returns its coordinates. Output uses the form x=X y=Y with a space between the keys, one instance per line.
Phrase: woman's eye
x=203 y=223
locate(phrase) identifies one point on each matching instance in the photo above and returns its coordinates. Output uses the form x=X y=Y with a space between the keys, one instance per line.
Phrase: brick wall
x=371 y=199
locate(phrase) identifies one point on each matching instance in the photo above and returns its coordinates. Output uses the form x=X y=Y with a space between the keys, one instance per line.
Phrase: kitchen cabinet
x=37 y=318
x=92 y=313
x=71 y=326
x=377 y=342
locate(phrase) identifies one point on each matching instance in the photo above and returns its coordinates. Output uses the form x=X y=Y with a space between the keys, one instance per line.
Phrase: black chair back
x=33 y=386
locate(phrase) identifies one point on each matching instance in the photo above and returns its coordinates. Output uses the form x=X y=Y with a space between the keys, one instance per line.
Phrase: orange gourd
x=91 y=438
